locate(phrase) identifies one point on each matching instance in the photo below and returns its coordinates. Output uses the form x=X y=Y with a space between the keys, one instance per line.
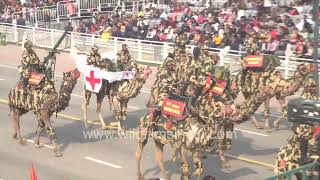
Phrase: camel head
x=69 y=81
x=143 y=73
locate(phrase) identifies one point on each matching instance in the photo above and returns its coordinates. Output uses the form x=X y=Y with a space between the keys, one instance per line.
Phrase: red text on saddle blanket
x=316 y=132
x=219 y=87
x=35 y=79
x=253 y=61
x=172 y=108
x=207 y=85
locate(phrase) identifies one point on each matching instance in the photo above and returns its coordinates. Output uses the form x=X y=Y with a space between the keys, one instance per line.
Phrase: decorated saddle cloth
x=36 y=79
x=260 y=62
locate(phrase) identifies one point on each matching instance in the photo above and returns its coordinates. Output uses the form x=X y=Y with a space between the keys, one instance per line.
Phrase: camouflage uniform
x=180 y=43
x=290 y=155
x=30 y=62
x=124 y=60
x=95 y=58
x=309 y=88
x=205 y=59
x=251 y=44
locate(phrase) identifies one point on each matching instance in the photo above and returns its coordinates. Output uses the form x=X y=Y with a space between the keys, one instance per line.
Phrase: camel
x=280 y=88
x=117 y=100
x=193 y=134
x=43 y=102
x=122 y=91
x=108 y=65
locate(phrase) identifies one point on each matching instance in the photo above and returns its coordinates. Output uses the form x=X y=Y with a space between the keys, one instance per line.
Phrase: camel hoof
x=258 y=127
x=276 y=126
x=22 y=142
x=269 y=130
x=38 y=146
x=140 y=177
x=225 y=165
x=86 y=125
x=104 y=127
x=58 y=154
x=184 y=177
x=114 y=124
x=15 y=136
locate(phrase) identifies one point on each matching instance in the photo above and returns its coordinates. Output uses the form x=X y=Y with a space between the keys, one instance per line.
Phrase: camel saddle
x=254 y=62
x=35 y=79
x=174 y=106
x=219 y=87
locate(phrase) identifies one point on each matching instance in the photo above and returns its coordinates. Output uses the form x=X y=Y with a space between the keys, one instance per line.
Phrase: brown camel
x=107 y=65
x=194 y=135
x=280 y=88
x=43 y=102
x=117 y=101
x=122 y=91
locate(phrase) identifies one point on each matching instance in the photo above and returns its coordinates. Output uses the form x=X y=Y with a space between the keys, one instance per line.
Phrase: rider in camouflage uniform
x=180 y=42
x=167 y=82
x=95 y=58
x=30 y=62
x=205 y=59
x=124 y=59
x=309 y=88
x=290 y=157
x=251 y=44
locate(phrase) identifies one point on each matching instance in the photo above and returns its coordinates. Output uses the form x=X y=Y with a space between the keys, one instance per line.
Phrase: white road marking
x=102 y=162
x=1 y=79
x=6 y=66
x=250 y=132
x=45 y=145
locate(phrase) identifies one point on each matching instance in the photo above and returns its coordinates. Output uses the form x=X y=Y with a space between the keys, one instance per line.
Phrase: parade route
x=105 y=155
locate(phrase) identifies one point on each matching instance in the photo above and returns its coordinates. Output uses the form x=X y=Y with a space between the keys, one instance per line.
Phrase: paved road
x=113 y=158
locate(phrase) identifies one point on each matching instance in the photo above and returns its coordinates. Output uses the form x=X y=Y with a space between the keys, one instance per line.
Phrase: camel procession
x=192 y=107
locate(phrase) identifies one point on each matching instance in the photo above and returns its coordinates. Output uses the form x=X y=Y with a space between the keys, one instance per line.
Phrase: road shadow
x=211 y=167
x=75 y=132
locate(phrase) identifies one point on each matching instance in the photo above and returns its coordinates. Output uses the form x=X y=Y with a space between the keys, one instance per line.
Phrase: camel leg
x=196 y=158
x=98 y=110
x=266 y=114
x=124 y=107
x=116 y=112
x=160 y=159
x=16 y=125
x=221 y=151
x=51 y=133
x=40 y=129
x=87 y=96
x=283 y=106
x=185 y=170
x=122 y=114
x=142 y=143
x=252 y=116
x=255 y=121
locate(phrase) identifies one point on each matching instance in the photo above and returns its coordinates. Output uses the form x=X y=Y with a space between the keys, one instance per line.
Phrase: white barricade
x=141 y=50
x=66 y=9
x=88 y=5
x=46 y=13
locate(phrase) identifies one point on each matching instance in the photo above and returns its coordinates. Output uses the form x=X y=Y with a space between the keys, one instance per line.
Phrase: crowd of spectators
x=283 y=30
x=22 y=8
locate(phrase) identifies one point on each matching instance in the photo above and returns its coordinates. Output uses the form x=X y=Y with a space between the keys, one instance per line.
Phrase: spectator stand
x=142 y=50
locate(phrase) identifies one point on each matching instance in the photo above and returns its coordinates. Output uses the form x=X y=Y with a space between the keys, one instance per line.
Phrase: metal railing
x=301 y=170
x=153 y=52
x=73 y=8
